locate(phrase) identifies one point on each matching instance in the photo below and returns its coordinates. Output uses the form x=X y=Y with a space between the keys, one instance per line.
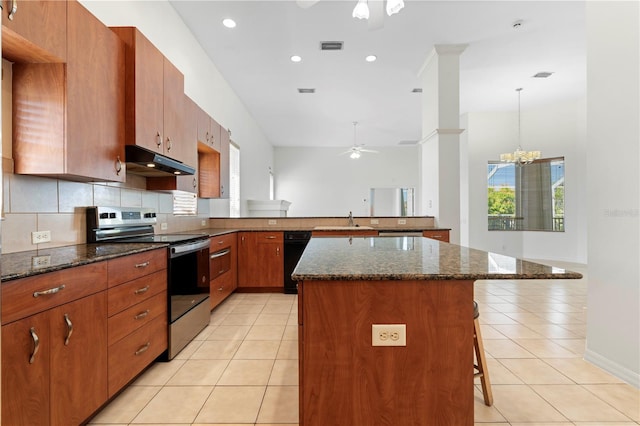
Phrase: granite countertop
x=22 y=264
x=412 y=258
x=283 y=228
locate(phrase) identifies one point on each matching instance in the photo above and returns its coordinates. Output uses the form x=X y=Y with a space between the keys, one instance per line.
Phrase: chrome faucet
x=350 y=219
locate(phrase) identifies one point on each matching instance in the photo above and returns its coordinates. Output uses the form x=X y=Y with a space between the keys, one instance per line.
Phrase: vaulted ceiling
x=254 y=57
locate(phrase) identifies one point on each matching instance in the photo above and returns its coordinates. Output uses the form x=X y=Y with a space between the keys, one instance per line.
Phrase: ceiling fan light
x=394 y=6
x=355 y=155
x=361 y=11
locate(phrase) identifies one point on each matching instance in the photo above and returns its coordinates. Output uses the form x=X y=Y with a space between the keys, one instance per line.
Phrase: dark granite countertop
x=25 y=263
x=412 y=258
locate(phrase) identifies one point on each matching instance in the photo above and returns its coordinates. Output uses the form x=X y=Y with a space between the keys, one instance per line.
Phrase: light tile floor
x=243 y=368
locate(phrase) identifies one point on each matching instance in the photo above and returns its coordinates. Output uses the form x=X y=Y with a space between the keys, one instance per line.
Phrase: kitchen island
x=347 y=285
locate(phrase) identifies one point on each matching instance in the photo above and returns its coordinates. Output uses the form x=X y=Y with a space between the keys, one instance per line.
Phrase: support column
x=440 y=144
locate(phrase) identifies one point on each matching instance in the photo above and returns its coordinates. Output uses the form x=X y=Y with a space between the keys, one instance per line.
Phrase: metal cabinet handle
x=278 y=251
x=158 y=139
x=49 y=291
x=118 y=166
x=168 y=144
x=69 y=329
x=141 y=315
x=36 y=345
x=221 y=288
x=142 y=349
x=142 y=265
x=195 y=182
x=142 y=290
x=206 y=136
x=220 y=254
x=14 y=9
x=270 y=237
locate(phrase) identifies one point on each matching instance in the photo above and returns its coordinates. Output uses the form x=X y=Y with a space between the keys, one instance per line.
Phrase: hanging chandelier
x=519 y=156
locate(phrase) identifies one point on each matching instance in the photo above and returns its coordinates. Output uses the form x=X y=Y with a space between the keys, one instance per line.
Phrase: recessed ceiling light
x=371 y=58
x=229 y=23
x=296 y=58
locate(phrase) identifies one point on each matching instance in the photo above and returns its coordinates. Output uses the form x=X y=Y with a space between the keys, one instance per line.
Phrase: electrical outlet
x=389 y=335
x=273 y=222
x=402 y=221
x=40 y=261
x=375 y=222
x=163 y=226
x=38 y=237
x=203 y=222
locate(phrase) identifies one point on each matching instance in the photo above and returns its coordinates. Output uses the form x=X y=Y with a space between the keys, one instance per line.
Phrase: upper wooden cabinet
x=225 y=177
x=35 y=31
x=154 y=98
x=208 y=130
x=58 y=129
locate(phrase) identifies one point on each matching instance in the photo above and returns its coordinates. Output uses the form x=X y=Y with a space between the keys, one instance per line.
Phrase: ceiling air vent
x=331 y=45
x=306 y=90
x=417 y=90
x=543 y=74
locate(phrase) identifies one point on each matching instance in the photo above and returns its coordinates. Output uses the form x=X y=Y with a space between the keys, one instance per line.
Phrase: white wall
x=556 y=130
x=162 y=25
x=320 y=182
x=613 y=182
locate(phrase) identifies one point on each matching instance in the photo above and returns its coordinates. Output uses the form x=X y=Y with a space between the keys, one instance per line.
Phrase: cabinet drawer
x=442 y=235
x=221 y=288
x=219 y=262
x=270 y=237
x=128 y=294
x=134 y=353
x=128 y=268
x=221 y=241
x=136 y=316
x=28 y=296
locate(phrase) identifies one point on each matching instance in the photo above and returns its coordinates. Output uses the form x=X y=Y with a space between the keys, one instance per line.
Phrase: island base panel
x=345 y=380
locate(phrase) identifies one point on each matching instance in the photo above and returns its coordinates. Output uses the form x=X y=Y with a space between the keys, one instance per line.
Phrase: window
x=272 y=185
x=526 y=198
x=234 y=180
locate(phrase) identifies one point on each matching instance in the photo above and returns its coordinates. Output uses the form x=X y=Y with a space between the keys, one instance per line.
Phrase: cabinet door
x=78 y=359
x=204 y=126
x=224 y=163
x=25 y=384
x=37 y=31
x=247 y=267
x=174 y=143
x=215 y=136
x=95 y=66
x=189 y=145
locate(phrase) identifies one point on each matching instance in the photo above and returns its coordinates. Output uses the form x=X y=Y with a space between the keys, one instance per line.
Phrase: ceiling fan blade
x=376 y=14
x=306 y=4
x=368 y=150
x=349 y=151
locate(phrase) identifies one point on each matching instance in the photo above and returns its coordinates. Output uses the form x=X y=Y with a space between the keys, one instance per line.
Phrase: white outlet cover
x=388 y=335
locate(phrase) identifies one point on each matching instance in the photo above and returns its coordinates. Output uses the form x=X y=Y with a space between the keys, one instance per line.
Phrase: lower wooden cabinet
x=223 y=267
x=442 y=235
x=260 y=259
x=54 y=364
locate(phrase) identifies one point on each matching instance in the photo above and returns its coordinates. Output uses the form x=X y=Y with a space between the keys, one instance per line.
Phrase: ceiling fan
x=356 y=150
x=371 y=10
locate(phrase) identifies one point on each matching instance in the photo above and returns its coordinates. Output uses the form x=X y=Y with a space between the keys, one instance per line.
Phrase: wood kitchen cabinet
x=35 y=32
x=54 y=337
x=154 y=98
x=208 y=130
x=260 y=260
x=225 y=177
x=52 y=108
x=137 y=311
x=440 y=234
x=223 y=267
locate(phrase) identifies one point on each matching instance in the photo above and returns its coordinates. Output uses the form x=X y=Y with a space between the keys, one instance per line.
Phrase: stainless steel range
x=187 y=260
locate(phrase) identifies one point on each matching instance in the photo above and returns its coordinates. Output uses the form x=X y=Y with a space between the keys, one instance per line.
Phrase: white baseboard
x=623 y=373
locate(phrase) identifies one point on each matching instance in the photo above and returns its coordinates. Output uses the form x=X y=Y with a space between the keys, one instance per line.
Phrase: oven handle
x=220 y=254
x=180 y=249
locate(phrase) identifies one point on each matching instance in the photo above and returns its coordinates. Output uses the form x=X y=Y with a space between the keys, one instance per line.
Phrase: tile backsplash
x=32 y=203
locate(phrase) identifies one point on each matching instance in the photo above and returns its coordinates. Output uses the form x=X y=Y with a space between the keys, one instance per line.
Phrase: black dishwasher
x=294 y=244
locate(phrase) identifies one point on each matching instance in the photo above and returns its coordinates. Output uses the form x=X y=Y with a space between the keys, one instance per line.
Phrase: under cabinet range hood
x=141 y=161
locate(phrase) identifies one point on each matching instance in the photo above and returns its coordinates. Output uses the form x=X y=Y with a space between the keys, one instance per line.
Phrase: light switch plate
x=388 y=335
x=375 y=222
x=163 y=226
x=273 y=222
x=402 y=221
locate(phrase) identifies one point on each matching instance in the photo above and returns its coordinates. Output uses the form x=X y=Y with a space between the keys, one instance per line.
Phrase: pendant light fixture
x=520 y=157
